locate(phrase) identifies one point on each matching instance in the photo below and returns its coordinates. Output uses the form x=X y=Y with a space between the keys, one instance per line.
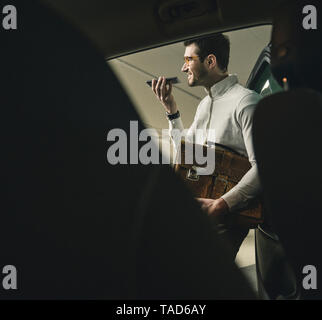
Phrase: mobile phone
x=173 y=80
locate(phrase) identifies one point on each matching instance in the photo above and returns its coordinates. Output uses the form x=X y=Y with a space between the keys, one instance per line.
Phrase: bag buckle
x=192 y=174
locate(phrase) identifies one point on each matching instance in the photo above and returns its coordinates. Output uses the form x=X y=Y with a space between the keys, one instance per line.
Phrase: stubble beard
x=199 y=79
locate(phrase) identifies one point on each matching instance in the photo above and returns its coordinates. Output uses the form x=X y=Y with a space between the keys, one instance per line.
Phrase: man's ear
x=211 y=61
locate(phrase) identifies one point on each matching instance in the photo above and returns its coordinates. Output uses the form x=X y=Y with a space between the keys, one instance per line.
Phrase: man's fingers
x=154 y=82
x=162 y=88
x=204 y=200
x=200 y=200
x=205 y=204
x=157 y=88
x=168 y=88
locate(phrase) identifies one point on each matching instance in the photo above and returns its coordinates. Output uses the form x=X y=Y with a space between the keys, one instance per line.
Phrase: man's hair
x=217 y=44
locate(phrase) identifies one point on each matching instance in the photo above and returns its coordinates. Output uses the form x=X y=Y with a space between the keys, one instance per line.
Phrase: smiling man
x=227 y=111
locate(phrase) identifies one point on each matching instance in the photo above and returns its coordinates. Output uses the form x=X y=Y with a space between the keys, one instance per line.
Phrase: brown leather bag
x=229 y=169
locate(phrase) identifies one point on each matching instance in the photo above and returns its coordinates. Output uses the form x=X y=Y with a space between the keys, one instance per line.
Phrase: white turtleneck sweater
x=228 y=111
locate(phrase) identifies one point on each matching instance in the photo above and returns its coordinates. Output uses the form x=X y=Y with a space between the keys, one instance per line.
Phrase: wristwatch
x=173 y=116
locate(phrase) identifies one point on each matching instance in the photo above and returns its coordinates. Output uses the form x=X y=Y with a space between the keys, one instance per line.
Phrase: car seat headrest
x=297 y=49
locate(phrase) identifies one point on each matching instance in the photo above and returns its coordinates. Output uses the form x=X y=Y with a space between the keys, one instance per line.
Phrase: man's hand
x=163 y=93
x=214 y=208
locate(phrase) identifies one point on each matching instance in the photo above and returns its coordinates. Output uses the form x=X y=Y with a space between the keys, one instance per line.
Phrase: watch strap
x=173 y=116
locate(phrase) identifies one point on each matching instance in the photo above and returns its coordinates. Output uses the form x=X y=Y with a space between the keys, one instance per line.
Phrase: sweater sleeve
x=177 y=131
x=249 y=186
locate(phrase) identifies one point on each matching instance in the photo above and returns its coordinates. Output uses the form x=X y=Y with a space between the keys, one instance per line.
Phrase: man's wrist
x=224 y=206
x=172 y=116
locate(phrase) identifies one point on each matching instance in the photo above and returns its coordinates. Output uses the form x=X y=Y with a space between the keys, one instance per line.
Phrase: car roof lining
x=122 y=54
x=122 y=27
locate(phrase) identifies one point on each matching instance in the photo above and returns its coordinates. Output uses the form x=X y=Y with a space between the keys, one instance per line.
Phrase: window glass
x=266 y=83
x=135 y=69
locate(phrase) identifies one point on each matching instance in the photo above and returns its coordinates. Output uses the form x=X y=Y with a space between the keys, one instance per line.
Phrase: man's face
x=195 y=69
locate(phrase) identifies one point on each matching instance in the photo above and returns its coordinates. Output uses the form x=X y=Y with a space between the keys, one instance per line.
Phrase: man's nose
x=184 y=68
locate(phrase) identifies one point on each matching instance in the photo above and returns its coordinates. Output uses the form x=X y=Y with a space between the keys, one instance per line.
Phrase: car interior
x=77 y=228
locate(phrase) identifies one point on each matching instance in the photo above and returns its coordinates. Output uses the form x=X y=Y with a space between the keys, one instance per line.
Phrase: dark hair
x=217 y=44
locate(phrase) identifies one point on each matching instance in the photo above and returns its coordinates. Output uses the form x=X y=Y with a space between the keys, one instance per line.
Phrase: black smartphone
x=172 y=80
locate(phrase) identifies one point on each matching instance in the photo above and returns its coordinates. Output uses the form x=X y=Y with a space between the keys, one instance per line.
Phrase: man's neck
x=215 y=80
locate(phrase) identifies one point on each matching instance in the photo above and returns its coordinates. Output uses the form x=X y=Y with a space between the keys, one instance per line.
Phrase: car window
x=135 y=69
x=265 y=83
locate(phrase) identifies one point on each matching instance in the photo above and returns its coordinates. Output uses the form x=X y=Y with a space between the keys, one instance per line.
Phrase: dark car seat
x=287 y=132
x=75 y=226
